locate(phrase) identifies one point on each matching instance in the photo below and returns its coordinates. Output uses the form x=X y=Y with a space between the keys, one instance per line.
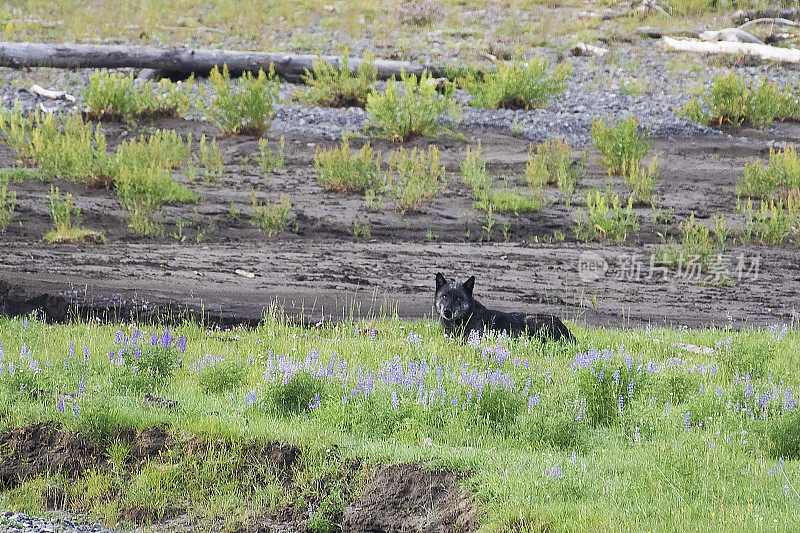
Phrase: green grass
x=339 y=170
x=270 y=216
x=415 y=178
x=621 y=144
x=781 y=175
x=700 y=248
x=555 y=450
x=66 y=221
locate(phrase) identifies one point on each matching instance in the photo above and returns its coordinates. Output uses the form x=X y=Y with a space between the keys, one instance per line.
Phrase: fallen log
x=764 y=51
x=181 y=61
x=745 y=15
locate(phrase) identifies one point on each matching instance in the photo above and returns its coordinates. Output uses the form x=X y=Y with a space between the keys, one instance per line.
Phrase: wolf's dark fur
x=460 y=313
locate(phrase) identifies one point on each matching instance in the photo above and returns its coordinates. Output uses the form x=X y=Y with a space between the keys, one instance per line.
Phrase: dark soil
x=411 y=498
x=45 y=447
x=317 y=269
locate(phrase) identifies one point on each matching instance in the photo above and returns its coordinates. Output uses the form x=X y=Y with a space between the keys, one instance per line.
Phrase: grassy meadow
x=621 y=431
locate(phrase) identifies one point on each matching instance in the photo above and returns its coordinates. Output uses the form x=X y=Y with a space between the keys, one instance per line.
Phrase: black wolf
x=461 y=313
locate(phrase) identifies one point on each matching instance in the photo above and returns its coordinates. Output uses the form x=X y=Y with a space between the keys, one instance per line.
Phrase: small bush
x=519 y=84
x=784 y=436
x=211 y=159
x=270 y=216
x=733 y=100
x=8 y=202
x=604 y=221
x=642 y=180
x=781 y=175
x=117 y=96
x=245 y=108
x=340 y=171
x=774 y=222
x=416 y=178
x=66 y=220
x=473 y=172
x=551 y=164
x=297 y=394
x=418 y=109
x=698 y=247
x=142 y=177
x=329 y=86
x=621 y=144
x=269 y=159
x=66 y=148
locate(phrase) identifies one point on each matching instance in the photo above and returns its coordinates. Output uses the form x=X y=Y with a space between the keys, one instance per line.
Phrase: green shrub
x=774 y=222
x=551 y=164
x=118 y=96
x=416 y=110
x=697 y=245
x=297 y=394
x=8 y=202
x=415 y=178
x=473 y=172
x=604 y=221
x=66 y=148
x=784 y=436
x=519 y=84
x=142 y=177
x=340 y=171
x=211 y=159
x=642 y=180
x=270 y=216
x=245 y=108
x=621 y=144
x=269 y=159
x=732 y=100
x=782 y=174
x=329 y=86
x=66 y=220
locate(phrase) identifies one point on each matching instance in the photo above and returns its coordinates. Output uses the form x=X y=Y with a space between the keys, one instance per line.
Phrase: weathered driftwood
x=764 y=51
x=732 y=35
x=744 y=15
x=581 y=48
x=772 y=21
x=180 y=61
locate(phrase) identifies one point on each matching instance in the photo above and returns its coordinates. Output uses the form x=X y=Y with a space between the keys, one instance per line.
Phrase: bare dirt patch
x=317 y=268
x=411 y=498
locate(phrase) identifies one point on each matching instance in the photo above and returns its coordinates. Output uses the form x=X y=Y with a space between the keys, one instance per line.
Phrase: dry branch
x=180 y=61
x=764 y=51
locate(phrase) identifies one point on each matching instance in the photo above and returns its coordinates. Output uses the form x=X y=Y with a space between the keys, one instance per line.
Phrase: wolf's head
x=453 y=300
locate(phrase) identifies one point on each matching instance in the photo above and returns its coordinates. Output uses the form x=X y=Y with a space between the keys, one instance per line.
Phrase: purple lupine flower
x=686 y=420
x=313 y=404
x=788 y=400
x=250 y=398
x=118 y=336
x=61 y=405
x=574 y=456
x=395 y=400
x=77 y=410
x=454 y=402
x=630 y=389
x=181 y=343
x=153 y=339
x=600 y=376
x=86 y=354
x=637 y=437
x=2 y=355
x=616 y=377
x=166 y=338
x=81 y=385
x=621 y=403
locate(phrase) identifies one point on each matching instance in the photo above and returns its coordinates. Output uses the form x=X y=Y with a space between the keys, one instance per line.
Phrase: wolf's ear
x=469 y=285
x=440 y=280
